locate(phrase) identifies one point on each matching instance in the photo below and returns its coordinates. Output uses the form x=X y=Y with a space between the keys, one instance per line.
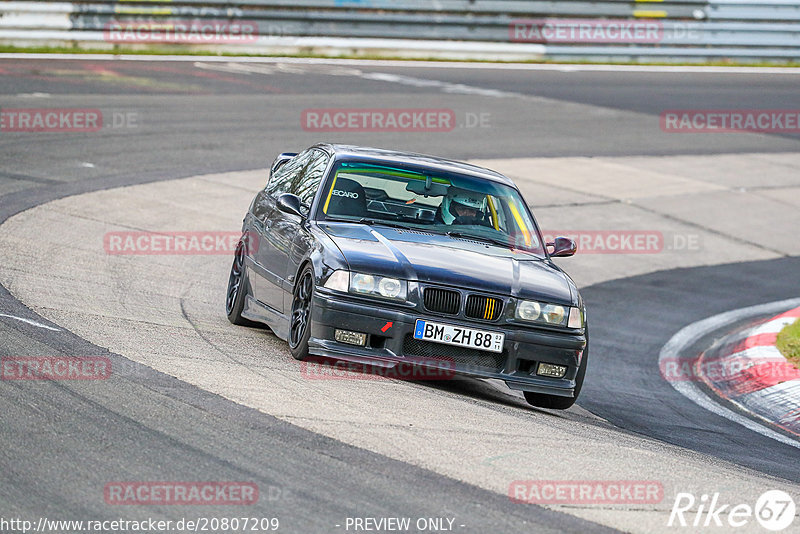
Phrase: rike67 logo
x=774 y=510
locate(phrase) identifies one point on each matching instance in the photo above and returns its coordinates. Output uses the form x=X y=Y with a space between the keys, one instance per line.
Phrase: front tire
x=300 y=318
x=554 y=402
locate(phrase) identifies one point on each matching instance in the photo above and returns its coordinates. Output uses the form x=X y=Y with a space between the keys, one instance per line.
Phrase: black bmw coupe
x=386 y=258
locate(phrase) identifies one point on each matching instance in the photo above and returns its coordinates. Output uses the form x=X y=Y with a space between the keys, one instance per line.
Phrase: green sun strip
x=400 y=173
x=361 y=165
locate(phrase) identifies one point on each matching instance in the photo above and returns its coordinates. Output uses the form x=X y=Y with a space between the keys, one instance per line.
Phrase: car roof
x=411 y=158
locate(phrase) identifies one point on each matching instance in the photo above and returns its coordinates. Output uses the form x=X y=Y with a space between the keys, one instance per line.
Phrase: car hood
x=441 y=259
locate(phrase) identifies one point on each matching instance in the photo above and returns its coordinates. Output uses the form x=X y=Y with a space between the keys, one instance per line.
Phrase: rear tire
x=237 y=285
x=554 y=402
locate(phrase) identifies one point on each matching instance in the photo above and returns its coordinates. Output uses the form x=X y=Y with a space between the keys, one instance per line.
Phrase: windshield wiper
x=372 y=222
x=452 y=233
x=367 y=221
x=480 y=238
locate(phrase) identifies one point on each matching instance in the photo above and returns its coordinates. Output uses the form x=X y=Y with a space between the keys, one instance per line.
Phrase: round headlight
x=554 y=314
x=389 y=287
x=363 y=283
x=528 y=310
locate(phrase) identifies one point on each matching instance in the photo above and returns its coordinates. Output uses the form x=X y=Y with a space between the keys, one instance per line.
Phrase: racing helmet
x=461 y=197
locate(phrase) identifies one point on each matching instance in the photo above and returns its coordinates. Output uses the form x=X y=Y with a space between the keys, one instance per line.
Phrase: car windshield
x=447 y=203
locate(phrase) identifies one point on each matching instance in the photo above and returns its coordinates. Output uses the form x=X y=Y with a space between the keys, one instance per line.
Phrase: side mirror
x=563 y=247
x=280 y=161
x=289 y=203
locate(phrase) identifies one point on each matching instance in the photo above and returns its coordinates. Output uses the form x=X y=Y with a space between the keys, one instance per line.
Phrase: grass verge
x=178 y=51
x=789 y=342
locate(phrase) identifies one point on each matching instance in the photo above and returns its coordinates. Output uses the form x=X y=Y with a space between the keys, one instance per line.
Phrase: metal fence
x=609 y=29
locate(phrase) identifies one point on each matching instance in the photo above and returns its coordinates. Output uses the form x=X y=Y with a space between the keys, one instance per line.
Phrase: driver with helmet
x=462 y=206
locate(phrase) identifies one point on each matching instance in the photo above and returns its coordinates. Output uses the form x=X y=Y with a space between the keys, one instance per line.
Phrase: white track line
x=28 y=321
x=691 y=333
x=561 y=67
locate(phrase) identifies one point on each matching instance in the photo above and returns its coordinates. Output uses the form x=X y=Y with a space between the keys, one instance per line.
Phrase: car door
x=270 y=252
x=305 y=187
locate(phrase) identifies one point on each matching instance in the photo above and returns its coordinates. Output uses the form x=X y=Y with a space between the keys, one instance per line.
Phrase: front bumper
x=388 y=345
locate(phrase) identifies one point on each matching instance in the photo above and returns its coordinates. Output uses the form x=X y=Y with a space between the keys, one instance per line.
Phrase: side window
x=281 y=181
x=306 y=182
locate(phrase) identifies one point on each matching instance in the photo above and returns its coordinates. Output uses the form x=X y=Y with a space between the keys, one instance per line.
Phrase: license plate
x=459 y=336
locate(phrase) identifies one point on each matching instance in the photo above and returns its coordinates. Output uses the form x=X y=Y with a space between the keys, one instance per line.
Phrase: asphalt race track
x=184 y=146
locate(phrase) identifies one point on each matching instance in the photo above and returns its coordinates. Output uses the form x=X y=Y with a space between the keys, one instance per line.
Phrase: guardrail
x=609 y=29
